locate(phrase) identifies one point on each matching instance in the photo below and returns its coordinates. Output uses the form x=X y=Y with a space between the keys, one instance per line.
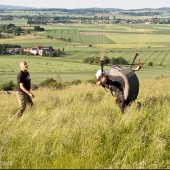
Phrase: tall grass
x=81 y=127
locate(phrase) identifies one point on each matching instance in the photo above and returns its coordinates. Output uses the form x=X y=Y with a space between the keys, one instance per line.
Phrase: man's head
x=101 y=77
x=24 y=66
x=99 y=74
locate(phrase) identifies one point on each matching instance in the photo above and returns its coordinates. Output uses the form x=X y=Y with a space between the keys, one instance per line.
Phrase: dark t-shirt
x=23 y=77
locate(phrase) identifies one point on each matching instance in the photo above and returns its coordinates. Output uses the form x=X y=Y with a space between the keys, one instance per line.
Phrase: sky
x=71 y=4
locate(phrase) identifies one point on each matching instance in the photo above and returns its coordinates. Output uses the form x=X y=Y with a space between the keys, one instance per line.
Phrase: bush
x=38 y=28
x=34 y=87
x=89 y=60
x=50 y=37
x=106 y=60
x=96 y=60
x=76 y=82
x=55 y=54
x=150 y=63
x=52 y=84
x=21 y=52
x=8 y=86
x=48 y=81
x=119 y=60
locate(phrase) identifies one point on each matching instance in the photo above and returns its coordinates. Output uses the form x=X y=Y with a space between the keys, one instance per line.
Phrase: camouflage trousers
x=23 y=99
x=119 y=97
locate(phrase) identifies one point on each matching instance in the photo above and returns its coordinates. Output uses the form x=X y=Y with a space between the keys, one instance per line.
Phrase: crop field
x=71 y=67
x=112 y=40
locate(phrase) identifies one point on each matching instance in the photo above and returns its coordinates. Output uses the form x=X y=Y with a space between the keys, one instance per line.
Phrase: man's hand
x=102 y=81
x=98 y=83
x=31 y=95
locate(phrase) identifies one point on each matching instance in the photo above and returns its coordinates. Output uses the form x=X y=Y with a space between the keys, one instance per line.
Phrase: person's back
x=121 y=81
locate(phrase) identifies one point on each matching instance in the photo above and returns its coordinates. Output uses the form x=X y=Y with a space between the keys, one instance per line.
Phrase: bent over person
x=114 y=87
x=23 y=88
x=122 y=81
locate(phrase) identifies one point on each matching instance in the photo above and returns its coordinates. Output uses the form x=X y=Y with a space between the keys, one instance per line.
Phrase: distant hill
x=10 y=7
x=84 y=10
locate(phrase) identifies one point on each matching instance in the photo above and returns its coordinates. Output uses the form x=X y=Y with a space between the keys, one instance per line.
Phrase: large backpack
x=128 y=80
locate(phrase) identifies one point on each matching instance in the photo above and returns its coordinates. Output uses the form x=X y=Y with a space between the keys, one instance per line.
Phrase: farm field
x=112 y=40
x=71 y=66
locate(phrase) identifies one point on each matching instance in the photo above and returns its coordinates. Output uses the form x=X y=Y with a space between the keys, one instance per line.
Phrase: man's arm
x=102 y=81
x=137 y=69
x=25 y=90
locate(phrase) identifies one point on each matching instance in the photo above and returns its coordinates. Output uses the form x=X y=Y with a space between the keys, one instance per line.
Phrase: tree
x=150 y=63
x=106 y=60
x=63 y=52
x=28 y=31
x=17 y=31
x=21 y=51
x=119 y=60
x=59 y=51
x=38 y=28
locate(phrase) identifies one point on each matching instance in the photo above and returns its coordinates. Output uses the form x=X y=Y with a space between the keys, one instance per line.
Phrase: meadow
x=81 y=127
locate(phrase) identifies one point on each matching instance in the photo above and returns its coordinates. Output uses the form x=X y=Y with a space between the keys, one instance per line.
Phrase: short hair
x=23 y=62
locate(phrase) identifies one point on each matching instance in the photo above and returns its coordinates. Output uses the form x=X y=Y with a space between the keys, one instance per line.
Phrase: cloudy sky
x=70 y=4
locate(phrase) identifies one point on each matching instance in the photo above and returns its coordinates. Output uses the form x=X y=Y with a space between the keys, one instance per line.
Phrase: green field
x=71 y=66
x=153 y=42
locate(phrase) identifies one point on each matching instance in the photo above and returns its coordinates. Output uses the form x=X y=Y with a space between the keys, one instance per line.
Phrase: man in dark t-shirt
x=23 y=88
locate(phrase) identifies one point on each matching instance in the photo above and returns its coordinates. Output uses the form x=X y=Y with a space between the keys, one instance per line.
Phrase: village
x=37 y=50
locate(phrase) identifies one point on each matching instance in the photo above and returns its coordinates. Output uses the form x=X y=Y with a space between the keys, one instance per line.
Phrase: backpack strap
x=109 y=87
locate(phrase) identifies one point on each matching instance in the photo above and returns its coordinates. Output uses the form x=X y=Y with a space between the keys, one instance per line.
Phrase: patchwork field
x=114 y=40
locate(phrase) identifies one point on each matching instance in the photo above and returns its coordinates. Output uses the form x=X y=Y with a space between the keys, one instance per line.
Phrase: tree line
x=113 y=61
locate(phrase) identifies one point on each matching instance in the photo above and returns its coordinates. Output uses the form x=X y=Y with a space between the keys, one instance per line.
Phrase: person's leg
x=22 y=103
x=119 y=96
x=29 y=101
x=120 y=100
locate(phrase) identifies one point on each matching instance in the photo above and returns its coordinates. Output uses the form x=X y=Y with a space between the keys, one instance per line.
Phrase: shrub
x=34 y=87
x=76 y=82
x=96 y=60
x=150 y=63
x=55 y=54
x=50 y=37
x=119 y=60
x=38 y=28
x=52 y=84
x=106 y=60
x=89 y=60
x=47 y=81
x=8 y=86
x=21 y=52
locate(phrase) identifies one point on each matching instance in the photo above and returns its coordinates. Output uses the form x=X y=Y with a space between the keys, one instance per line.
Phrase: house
x=27 y=49
x=46 y=51
x=34 y=51
x=13 y=50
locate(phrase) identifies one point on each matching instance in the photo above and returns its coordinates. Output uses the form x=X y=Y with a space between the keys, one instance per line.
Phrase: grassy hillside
x=81 y=127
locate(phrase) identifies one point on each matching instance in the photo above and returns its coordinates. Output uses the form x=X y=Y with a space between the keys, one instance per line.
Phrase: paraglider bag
x=128 y=80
